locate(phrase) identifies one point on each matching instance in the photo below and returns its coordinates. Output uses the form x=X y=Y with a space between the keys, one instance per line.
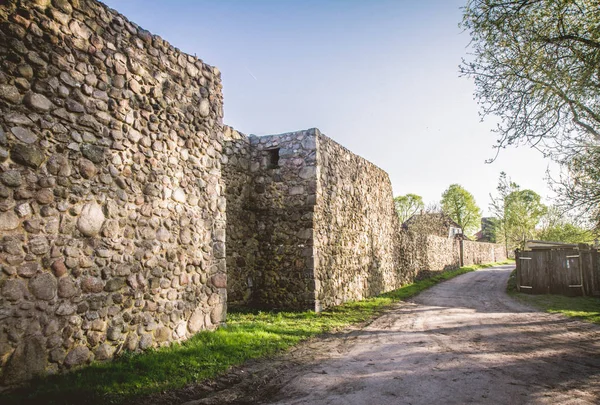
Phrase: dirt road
x=463 y=341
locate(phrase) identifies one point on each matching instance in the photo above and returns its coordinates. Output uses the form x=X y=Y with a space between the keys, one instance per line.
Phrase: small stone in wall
x=91 y=219
x=196 y=322
x=10 y=93
x=204 y=108
x=179 y=195
x=93 y=153
x=24 y=135
x=44 y=196
x=145 y=341
x=87 y=169
x=13 y=289
x=163 y=234
x=43 y=286
x=28 y=270
x=11 y=178
x=9 y=221
x=59 y=268
x=104 y=352
x=38 y=102
x=92 y=285
x=77 y=356
x=219 y=280
x=297 y=190
x=27 y=155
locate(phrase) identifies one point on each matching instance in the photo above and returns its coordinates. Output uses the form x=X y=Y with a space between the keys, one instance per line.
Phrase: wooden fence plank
x=570 y=271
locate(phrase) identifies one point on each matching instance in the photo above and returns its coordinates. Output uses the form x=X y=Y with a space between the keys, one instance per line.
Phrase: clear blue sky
x=379 y=77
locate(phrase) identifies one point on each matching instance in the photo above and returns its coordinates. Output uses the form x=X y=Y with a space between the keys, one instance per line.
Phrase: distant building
x=488 y=230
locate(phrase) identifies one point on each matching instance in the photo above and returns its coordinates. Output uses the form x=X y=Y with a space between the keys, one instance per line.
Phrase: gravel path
x=462 y=341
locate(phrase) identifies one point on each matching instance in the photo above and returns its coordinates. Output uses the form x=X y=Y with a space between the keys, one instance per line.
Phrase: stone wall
x=241 y=238
x=440 y=253
x=355 y=225
x=271 y=218
x=318 y=228
x=112 y=218
x=482 y=252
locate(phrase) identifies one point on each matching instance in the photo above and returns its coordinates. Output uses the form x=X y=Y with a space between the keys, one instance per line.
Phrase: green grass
x=248 y=335
x=584 y=308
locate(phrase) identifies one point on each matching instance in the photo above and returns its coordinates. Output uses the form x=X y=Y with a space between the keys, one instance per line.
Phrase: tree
x=578 y=185
x=555 y=226
x=518 y=212
x=408 y=205
x=460 y=205
x=535 y=66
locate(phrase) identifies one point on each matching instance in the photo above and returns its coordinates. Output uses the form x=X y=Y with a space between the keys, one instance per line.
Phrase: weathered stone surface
x=162 y=334
x=196 y=321
x=11 y=178
x=77 y=356
x=114 y=284
x=28 y=360
x=87 y=169
x=44 y=196
x=37 y=102
x=29 y=270
x=27 y=155
x=9 y=221
x=10 y=93
x=105 y=352
x=43 y=286
x=179 y=195
x=204 y=107
x=24 y=135
x=67 y=287
x=92 y=285
x=91 y=219
x=39 y=245
x=219 y=280
x=93 y=153
x=59 y=268
x=13 y=289
x=146 y=341
x=66 y=309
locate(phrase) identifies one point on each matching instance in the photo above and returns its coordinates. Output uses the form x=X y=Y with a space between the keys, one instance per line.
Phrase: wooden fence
x=566 y=271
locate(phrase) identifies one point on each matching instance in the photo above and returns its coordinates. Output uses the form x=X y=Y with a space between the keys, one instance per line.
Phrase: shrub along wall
x=111 y=215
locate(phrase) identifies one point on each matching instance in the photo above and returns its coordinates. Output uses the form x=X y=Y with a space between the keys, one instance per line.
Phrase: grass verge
x=248 y=335
x=584 y=308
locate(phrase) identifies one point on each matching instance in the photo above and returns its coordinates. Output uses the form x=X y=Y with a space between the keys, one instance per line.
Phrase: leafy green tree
x=555 y=226
x=460 y=205
x=408 y=205
x=518 y=212
x=535 y=67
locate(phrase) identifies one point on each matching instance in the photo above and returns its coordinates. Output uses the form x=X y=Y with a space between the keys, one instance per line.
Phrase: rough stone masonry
x=120 y=189
x=112 y=213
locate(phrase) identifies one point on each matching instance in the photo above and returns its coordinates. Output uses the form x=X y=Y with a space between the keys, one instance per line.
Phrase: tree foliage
x=460 y=205
x=555 y=226
x=536 y=67
x=518 y=212
x=408 y=205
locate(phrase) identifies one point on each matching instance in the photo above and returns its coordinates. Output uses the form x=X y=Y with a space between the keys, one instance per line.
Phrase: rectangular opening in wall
x=273 y=158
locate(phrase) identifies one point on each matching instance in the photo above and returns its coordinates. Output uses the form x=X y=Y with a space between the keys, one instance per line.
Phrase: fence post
x=518 y=270
x=462 y=252
x=581 y=247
